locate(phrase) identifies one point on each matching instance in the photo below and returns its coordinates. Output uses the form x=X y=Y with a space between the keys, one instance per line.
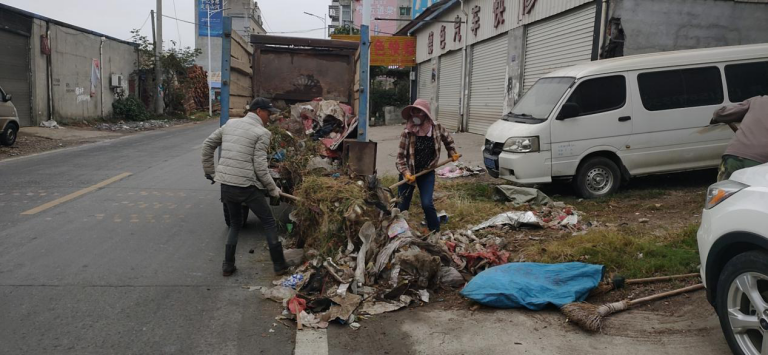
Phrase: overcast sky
x=117 y=18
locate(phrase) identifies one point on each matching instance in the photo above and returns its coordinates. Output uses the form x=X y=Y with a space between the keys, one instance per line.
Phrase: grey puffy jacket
x=244 y=143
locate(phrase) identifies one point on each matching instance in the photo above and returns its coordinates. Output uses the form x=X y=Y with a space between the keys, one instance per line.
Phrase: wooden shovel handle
x=290 y=197
x=661 y=278
x=665 y=294
x=423 y=172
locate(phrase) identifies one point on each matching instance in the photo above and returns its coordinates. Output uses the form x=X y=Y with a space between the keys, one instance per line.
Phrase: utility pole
x=365 y=46
x=158 y=53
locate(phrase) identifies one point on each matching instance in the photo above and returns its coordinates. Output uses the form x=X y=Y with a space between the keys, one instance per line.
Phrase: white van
x=600 y=123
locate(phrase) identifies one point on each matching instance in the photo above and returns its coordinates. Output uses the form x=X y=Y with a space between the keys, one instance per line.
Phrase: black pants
x=256 y=200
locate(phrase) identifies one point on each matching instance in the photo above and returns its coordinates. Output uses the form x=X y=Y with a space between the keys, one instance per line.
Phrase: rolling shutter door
x=558 y=43
x=450 y=90
x=487 y=83
x=425 y=81
x=14 y=73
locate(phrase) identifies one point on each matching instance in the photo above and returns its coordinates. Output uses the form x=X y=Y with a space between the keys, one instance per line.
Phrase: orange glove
x=410 y=178
x=456 y=157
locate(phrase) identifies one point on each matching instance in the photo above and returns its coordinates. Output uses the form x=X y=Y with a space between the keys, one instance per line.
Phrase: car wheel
x=597 y=177
x=742 y=291
x=245 y=214
x=9 y=134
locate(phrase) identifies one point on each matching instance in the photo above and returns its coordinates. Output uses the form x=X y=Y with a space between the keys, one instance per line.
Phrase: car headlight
x=522 y=145
x=721 y=191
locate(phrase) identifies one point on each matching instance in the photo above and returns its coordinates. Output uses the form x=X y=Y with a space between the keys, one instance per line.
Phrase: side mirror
x=8 y=97
x=569 y=110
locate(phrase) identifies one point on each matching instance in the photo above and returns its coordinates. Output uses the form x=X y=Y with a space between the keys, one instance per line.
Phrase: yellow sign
x=388 y=50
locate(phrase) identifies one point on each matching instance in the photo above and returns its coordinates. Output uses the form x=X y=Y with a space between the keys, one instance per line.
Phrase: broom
x=618 y=282
x=590 y=317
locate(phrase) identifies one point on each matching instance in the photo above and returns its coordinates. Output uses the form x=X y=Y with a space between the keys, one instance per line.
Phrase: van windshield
x=540 y=99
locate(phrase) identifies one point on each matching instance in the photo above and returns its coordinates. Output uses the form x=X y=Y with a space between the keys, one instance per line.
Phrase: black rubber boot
x=278 y=259
x=228 y=268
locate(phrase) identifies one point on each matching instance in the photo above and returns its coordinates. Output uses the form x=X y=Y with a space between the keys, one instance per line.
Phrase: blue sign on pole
x=419 y=6
x=216 y=17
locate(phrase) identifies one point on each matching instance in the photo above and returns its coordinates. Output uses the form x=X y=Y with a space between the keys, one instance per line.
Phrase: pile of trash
x=459 y=169
x=326 y=121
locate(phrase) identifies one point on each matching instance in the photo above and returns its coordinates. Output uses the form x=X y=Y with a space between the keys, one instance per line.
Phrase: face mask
x=416 y=121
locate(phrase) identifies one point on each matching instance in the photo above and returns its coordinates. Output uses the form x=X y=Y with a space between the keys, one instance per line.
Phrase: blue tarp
x=533 y=285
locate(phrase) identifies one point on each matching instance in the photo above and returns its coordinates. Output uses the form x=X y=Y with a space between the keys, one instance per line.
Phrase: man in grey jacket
x=750 y=146
x=243 y=171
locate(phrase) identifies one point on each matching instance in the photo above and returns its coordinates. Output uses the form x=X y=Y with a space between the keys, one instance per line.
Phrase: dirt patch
x=28 y=145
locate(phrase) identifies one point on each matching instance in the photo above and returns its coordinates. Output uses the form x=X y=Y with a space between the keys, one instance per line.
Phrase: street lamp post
x=325 y=26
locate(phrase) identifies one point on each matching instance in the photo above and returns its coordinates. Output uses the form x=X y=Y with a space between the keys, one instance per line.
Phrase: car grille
x=493 y=148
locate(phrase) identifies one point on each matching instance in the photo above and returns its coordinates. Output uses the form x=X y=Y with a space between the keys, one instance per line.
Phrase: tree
x=345 y=30
x=174 y=63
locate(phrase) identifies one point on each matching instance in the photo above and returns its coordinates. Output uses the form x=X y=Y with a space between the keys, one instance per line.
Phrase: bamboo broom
x=619 y=282
x=590 y=317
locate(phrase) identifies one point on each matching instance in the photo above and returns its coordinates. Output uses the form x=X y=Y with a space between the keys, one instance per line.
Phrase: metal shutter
x=558 y=43
x=450 y=90
x=425 y=81
x=487 y=83
x=14 y=73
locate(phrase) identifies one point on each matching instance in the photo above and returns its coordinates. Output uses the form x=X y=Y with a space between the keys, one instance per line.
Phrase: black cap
x=263 y=104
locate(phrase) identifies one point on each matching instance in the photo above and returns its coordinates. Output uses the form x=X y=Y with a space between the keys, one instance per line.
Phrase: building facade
x=59 y=71
x=340 y=13
x=246 y=20
x=393 y=15
x=484 y=55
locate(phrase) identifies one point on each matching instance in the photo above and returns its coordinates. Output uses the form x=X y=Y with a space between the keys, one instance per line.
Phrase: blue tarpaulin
x=533 y=285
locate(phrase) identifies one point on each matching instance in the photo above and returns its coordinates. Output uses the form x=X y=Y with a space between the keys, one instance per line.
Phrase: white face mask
x=416 y=121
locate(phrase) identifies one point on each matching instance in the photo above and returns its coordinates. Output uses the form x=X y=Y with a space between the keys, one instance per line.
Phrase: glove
x=455 y=157
x=274 y=193
x=209 y=177
x=410 y=178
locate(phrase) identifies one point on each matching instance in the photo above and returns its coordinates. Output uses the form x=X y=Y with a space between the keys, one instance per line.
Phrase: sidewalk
x=469 y=145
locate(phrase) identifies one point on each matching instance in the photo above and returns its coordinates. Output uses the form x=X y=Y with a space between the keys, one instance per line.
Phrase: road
x=116 y=248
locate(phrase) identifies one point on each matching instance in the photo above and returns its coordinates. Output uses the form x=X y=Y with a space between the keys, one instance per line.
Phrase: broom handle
x=660 y=278
x=665 y=294
x=403 y=181
x=291 y=197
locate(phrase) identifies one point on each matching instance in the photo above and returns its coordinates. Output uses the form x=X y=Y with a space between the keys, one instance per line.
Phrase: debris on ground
x=50 y=124
x=139 y=125
x=459 y=169
x=519 y=196
x=533 y=285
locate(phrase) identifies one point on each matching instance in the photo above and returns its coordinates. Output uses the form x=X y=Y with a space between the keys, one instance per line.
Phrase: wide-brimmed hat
x=420 y=104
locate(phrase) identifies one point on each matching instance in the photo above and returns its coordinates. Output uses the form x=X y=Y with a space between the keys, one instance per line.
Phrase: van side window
x=746 y=80
x=671 y=89
x=600 y=94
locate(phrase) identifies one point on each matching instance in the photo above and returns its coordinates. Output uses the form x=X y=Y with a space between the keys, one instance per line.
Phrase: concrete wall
x=515 y=52
x=72 y=53
x=665 y=25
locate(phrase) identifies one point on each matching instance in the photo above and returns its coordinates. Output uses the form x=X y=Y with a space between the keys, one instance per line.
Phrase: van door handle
x=624 y=118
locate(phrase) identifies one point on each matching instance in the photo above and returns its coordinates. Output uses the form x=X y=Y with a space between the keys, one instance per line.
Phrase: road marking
x=75 y=195
x=311 y=341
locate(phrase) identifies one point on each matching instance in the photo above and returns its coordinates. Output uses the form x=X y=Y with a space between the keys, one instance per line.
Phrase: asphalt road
x=133 y=267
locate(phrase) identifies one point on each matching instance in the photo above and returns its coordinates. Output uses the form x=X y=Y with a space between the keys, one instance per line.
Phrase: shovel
x=423 y=172
x=290 y=197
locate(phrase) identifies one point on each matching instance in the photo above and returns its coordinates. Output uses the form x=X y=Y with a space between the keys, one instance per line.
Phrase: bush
x=130 y=108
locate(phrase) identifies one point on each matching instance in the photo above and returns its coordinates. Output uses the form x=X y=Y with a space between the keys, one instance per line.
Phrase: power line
x=177 y=19
x=301 y=31
x=178 y=31
x=144 y=24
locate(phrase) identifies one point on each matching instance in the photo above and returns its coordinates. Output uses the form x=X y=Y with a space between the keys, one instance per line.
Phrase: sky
x=117 y=18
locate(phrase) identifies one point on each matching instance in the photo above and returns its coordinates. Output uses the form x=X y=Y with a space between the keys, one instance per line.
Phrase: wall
x=40 y=110
x=71 y=59
x=241 y=73
x=664 y=25
x=516 y=50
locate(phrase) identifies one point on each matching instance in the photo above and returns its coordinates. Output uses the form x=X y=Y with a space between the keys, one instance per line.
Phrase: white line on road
x=75 y=195
x=311 y=342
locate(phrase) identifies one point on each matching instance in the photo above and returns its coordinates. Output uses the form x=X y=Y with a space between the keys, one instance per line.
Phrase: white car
x=733 y=245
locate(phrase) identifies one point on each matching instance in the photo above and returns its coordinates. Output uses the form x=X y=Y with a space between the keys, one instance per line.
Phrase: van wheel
x=742 y=291
x=8 y=136
x=597 y=177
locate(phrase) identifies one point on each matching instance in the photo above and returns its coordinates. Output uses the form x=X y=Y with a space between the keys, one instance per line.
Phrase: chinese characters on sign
x=528 y=6
x=393 y=51
x=457 y=28
x=442 y=37
x=430 y=42
x=216 y=18
x=381 y=9
x=475 y=19
x=498 y=13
